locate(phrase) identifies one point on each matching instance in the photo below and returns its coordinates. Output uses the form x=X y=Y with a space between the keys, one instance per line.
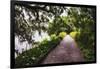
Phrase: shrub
x=34 y=55
x=62 y=34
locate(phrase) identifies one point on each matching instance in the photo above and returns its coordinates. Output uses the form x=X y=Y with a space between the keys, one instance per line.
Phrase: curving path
x=66 y=52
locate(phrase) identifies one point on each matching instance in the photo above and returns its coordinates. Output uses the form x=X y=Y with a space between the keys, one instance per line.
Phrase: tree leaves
x=29 y=18
x=47 y=18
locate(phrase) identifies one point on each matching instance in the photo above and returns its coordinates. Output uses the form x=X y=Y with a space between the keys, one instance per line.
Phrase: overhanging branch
x=36 y=7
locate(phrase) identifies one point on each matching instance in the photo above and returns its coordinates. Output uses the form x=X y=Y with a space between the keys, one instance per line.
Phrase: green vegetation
x=62 y=34
x=78 y=22
x=34 y=55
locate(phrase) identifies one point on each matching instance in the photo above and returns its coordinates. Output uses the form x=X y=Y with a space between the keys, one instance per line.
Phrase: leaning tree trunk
x=66 y=52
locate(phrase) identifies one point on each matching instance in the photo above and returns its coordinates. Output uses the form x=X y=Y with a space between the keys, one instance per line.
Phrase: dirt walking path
x=66 y=52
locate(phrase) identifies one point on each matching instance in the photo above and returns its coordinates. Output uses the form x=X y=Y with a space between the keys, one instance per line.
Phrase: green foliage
x=33 y=56
x=28 y=57
x=59 y=24
x=74 y=34
x=31 y=18
x=86 y=41
x=53 y=36
x=79 y=23
x=62 y=34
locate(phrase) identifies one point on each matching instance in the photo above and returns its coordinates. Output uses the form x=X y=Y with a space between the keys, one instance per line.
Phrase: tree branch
x=36 y=7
